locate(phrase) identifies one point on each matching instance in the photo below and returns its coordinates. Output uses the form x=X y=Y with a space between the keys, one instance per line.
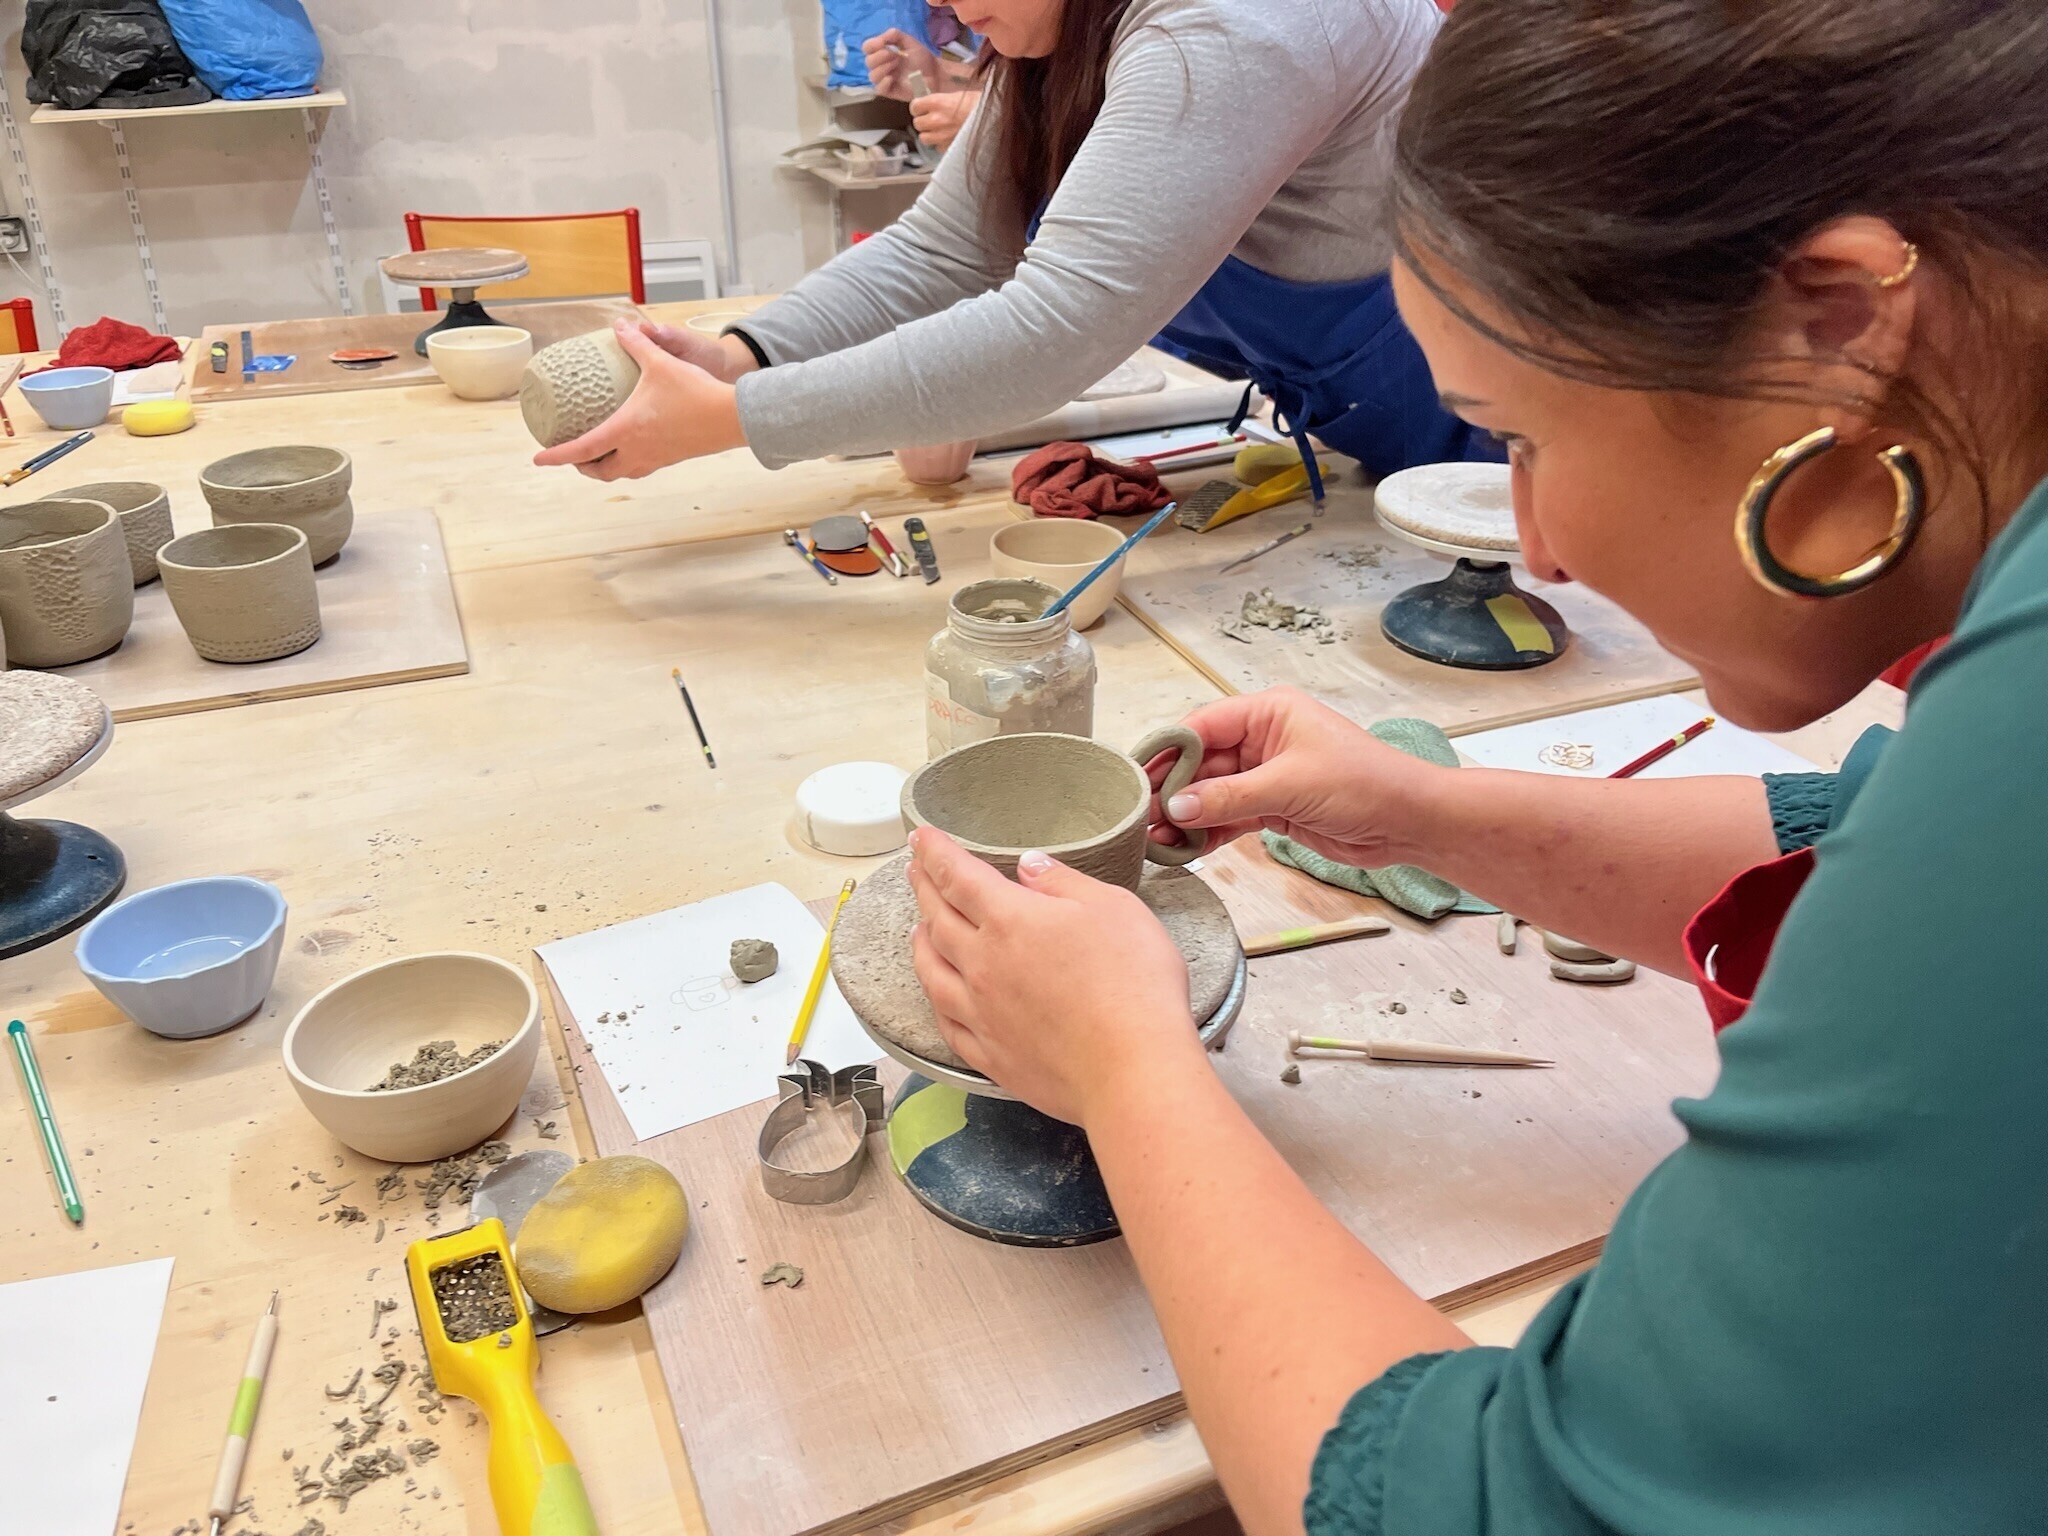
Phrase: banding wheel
x=54 y=875
x=461 y=270
x=1476 y=617
x=970 y=1152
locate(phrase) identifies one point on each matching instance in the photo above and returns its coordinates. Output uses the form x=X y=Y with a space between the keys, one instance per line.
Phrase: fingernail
x=1035 y=863
x=1183 y=807
x=917 y=841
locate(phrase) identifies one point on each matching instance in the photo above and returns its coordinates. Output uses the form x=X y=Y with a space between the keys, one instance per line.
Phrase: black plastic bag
x=109 y=53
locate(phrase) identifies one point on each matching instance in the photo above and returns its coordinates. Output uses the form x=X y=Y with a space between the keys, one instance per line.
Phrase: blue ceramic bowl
x=70 y=399
x=190 y=958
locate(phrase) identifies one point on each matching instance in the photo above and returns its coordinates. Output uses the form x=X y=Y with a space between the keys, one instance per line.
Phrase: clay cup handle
x=1175 y=738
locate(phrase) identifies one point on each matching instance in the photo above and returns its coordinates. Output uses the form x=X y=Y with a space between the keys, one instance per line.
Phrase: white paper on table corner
x=75 y=1356
x=678 y=1038
x=1621 y=733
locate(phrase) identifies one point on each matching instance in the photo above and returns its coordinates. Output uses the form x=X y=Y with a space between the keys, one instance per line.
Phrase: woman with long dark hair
x=1757 y=295
x=1213 y=169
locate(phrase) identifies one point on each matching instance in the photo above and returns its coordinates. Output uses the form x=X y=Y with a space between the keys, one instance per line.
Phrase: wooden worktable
x=553 y=789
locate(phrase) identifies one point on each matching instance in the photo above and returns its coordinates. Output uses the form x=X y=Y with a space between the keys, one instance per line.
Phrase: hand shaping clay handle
x=1175 y=738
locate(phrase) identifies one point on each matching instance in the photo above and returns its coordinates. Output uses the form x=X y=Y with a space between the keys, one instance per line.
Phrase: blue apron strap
x=1285 y=424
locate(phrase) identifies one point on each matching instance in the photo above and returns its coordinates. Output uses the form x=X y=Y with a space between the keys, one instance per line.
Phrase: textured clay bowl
x=303 y=486
x=66 y=590
x=1059 y=551
x=938 y=464
x=574 y=385
x=188 y=959
x=145 y=512
x=70 y=399
x=350 y=1035
x=481 y=362
x=245 y=592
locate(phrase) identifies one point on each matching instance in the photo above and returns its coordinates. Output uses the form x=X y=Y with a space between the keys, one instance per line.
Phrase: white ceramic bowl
x=1059 y=551
x=70 y=399
x=187 y=959
x=350 y=1035
x=481 y=362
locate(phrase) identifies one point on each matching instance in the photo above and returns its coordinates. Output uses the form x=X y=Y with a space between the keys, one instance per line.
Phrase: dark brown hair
x=1625 y=177
x=1040 y=112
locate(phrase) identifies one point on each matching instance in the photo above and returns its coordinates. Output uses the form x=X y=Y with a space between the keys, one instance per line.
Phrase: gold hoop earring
x=1751 y=519
x=1904 y=275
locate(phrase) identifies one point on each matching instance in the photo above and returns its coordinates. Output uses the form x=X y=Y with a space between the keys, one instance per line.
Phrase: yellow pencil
x=816 y=989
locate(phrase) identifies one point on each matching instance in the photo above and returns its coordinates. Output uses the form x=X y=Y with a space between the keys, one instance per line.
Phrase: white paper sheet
x=1621 y=733
x=75 y=1352
x=677 y=1037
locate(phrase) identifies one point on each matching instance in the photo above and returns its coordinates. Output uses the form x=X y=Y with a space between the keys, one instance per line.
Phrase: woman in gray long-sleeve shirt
x=1212 y=169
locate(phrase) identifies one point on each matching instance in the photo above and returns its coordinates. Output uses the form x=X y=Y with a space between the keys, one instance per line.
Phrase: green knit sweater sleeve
x=1823 y=1315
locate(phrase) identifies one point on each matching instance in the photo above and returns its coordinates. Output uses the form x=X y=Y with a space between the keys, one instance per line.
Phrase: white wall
x=455 y=106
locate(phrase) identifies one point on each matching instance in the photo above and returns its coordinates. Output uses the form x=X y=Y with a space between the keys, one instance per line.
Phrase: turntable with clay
x=968 y=1150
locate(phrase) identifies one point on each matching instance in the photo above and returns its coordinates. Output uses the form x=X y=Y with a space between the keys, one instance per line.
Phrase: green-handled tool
x=227 y=1481
x=39 y=1100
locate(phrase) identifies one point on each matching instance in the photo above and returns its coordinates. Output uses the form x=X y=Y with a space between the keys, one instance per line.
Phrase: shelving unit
x=56 y=114
x=842 y=107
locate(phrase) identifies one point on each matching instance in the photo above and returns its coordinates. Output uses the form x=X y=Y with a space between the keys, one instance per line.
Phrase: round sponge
x=570 y=387
x=601 y=1236
x=157 y=418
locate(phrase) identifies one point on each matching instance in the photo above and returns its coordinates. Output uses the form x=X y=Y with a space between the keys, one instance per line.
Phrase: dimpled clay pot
x=245 y=592
x=66 y=592
x=1081 y=802
x=303 y=486
x=144 y=509
x=573 y=385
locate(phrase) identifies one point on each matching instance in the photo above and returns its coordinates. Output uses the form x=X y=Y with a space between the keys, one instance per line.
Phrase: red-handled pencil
x=1664 y=749
x=1176 y=453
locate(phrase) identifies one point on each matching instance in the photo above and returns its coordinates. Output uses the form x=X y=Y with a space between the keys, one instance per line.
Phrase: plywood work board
x=387 y=615
x=313 y=342
x=916 y=1360
x=1351 y=568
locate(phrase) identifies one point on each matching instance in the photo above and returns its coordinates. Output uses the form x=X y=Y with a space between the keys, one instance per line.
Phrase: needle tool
x=1267 y=548
x=45 y=459
x=816 y=989
x=242 y=1421
x=804 y=554
x=691 y=706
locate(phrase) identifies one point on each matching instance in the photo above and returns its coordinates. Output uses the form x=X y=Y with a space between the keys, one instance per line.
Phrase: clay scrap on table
x=1262 y=610
x=754 y=960
x=783 y=1274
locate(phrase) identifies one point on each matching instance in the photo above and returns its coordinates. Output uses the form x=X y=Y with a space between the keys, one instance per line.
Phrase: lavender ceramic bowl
x=187 y=959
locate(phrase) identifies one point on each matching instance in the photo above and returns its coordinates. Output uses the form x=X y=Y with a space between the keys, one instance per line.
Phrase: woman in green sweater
x=1757 y=296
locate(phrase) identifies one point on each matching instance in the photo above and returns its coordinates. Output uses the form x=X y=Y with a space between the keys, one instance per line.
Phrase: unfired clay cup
x=481 y=362
x=245 y=592
x=66 y=590
x=350 y=1035
x=145 y=512
x=936 y=464
x=1081 y=802
x=574 y=385
x=304 y=486
x=1060 y=551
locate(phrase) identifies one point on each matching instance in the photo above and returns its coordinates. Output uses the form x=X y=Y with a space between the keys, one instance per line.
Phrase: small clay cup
x=1081 y=802
x=1060 y=551
x=481 y=362
x=66 y=590
x=245 y=592
x=304 y=486
x=937 y=463
x=574 y=385
x=145 y=512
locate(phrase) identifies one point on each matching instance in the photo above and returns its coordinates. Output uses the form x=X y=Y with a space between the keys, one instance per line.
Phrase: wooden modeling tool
x=480 y=1345
x=921 y=547
x=883 y=547
x=1664 y=749
x=1321 y=933
x=45 y=459
x=691 y=705
x=790 y=538
x=242 y=1419
x=816 y=989
x=1267 y=548
x=11 y=372
x=1420 y=1052
x=46 y=1122
x=1109 y=561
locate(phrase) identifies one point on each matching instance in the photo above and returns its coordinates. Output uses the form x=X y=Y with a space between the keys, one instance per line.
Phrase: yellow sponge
x=1260 y=462
x=603 y=1235
x=157 y=418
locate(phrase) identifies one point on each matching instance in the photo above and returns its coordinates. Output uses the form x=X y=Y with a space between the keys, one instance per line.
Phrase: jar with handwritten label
x=998 y=669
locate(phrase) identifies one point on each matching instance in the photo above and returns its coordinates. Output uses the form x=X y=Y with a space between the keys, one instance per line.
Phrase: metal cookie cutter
x=802 y=1091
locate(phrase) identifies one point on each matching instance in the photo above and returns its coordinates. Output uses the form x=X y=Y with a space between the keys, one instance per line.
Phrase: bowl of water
x=187 y=959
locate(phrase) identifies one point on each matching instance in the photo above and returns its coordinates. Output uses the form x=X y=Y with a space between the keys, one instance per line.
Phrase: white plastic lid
x=852 y=809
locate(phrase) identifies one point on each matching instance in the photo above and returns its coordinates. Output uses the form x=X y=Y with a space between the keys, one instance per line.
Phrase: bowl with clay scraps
x=481 y=362
x=393 y=1060
x=1059 y=551
x=300 y=485
x=70 y=399
x=187 y=959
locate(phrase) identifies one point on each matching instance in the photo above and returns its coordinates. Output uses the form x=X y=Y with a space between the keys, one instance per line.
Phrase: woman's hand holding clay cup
x=677 y=411
x=1279 y=761
x=726 y=358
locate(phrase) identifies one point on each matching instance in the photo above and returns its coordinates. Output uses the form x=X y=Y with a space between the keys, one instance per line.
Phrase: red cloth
x=1729 y=940
x=1901 y=672
x=115 y=344
x=1069 y=480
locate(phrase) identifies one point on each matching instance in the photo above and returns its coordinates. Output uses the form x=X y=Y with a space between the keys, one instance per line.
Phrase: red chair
x=18 y=326
x=568 y=255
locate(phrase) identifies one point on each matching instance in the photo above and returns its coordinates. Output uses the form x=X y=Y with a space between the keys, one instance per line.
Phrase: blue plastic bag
x=848 y=26
x=246 y=50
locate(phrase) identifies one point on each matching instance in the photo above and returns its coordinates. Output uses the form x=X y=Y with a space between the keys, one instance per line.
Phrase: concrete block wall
x=455 y=106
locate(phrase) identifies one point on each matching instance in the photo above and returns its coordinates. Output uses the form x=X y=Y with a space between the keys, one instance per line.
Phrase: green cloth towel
x=1414 y=891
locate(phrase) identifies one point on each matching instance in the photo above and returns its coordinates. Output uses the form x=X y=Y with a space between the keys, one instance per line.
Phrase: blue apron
x=1335 y=360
